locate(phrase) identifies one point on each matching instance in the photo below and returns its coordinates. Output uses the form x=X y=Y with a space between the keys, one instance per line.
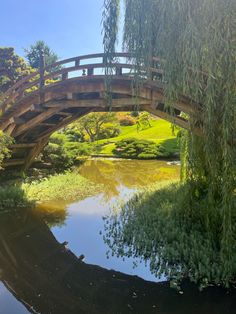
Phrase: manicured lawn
x=160 y=132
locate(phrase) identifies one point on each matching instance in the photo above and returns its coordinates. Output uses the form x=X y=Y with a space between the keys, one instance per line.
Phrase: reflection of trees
x=130 y=173
x=54 y=213
x=178 y=238
x=48 y=278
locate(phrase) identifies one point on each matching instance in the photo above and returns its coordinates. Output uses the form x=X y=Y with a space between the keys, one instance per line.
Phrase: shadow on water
x=47 y=277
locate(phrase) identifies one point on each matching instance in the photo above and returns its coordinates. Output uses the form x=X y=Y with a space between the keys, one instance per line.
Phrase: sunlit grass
x=160 y=132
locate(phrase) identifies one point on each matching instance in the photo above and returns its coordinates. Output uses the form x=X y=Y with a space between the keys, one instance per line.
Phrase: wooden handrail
x=38 y=78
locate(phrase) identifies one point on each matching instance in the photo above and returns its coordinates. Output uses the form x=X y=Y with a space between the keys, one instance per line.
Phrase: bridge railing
x=80 y=66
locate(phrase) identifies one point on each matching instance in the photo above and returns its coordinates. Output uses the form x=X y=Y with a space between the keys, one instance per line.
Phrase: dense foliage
x=96 y=126
x=5 y=152
x=141 y=149
x=12 y=68
x=12 y=198
x=154 y=225
x=195 y=41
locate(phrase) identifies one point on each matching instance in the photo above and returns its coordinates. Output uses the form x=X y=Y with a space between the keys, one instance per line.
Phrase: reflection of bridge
x=50 y=99
x=48 y=278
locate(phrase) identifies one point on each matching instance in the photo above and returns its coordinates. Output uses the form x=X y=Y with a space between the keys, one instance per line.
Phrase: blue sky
x=69 y=27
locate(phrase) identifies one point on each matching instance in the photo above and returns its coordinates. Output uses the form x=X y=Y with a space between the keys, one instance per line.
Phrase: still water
x=60 y=266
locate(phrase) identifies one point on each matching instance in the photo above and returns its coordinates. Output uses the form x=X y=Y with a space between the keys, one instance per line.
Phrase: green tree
x=93 y=124
x=12 y=68
x=33 y=54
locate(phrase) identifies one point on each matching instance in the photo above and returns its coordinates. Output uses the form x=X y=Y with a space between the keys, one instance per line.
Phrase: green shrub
x=74 y=135
x=75 y=149
x=56 y=154
x=127 y=120
x=108 y=130
x=141 y=149
x=12 y=198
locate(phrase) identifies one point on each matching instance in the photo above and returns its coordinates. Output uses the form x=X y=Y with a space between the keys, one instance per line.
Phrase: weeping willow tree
x=196 y=42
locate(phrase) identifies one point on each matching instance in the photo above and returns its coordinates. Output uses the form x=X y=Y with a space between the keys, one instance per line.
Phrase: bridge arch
x=59 y=94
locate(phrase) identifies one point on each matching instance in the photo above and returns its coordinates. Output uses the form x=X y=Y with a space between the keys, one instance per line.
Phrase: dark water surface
x=42 y=272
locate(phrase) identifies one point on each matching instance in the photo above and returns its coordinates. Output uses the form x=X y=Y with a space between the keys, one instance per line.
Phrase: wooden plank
x=35 y=152
x=63 y=123
x=35 y=121
x=89 y=103
x=36 y=108
x=10 y=129
x=17 y=120
x=66 y=114
x=13 y=162
x=22 y=145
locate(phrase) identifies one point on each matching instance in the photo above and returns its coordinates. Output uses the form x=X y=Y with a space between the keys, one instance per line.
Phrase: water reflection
x=44 y=274
x=115 y=173
x=46 y=278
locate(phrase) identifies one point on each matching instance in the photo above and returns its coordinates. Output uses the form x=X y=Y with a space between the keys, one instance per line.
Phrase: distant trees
x=12 y=68
x=99 y=125
x=34 y=51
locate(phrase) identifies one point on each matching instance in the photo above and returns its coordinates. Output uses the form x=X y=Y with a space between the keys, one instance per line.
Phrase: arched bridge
x=51 y=98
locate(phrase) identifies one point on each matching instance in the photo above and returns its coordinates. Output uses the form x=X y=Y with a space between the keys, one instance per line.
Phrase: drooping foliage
x=195 y=41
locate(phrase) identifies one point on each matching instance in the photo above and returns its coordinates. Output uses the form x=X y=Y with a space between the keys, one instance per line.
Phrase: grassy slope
x=160 y=132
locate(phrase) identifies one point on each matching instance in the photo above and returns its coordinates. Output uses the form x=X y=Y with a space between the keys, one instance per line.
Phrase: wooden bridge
x=53 y=97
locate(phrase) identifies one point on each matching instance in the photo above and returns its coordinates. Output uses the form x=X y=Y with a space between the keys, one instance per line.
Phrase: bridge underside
x=32 y=119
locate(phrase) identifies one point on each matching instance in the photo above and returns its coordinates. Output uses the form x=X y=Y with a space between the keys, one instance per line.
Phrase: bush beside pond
x=140 y=149
x=13 y=198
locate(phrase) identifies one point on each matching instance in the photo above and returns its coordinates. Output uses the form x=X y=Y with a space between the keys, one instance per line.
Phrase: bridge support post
x=35 y=151
x=41 y=73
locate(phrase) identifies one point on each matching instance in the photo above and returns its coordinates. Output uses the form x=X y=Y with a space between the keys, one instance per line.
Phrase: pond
x=62 y=266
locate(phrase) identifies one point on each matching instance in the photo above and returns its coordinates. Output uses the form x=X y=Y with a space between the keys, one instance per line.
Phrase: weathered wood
x=96 y=103
x=13 y=162
x=10 y=129
x=17 y=120
x=22 y=145
x=35 y=121
x=64 y=123
x=36 y=108
x=62 y=113
x=35 y=152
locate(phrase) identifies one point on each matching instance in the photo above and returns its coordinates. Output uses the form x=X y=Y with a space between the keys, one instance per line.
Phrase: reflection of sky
x=82 y=232
x=8 y=303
